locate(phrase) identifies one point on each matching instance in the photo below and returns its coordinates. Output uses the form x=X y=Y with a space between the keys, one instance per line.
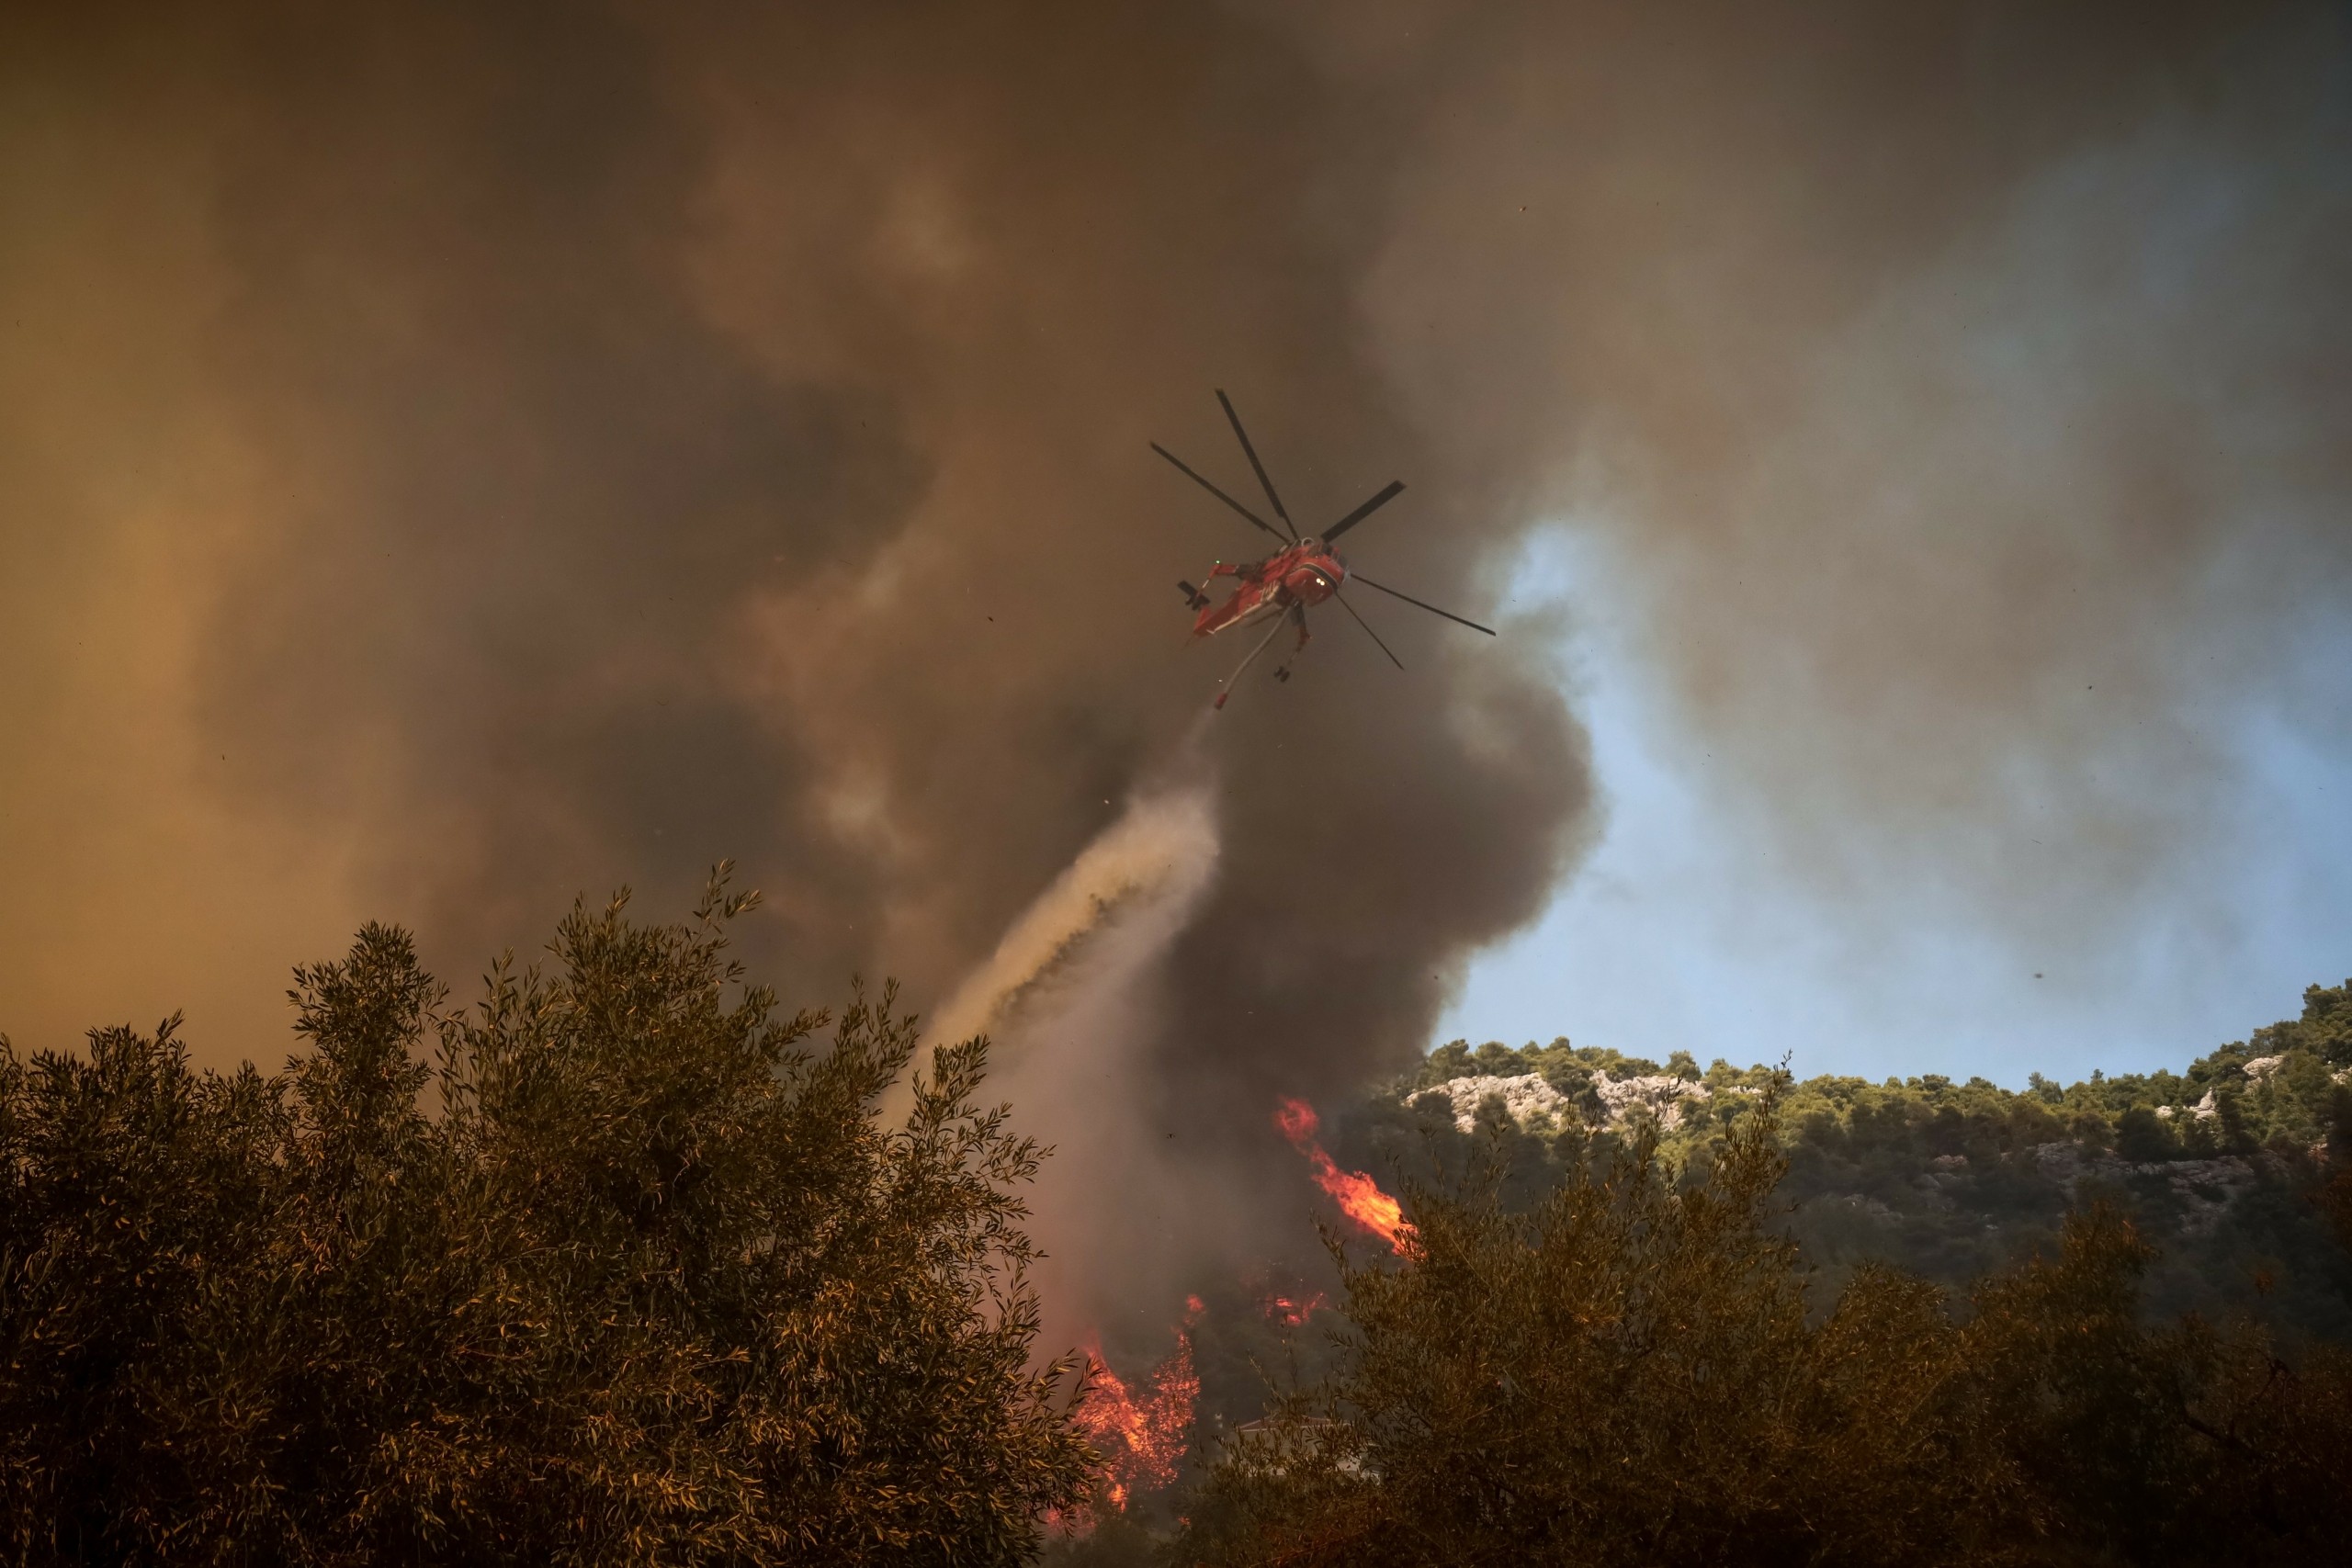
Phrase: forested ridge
x=1637 y=1365
x=624 y=1263
x=1661 y=1313
x=2220 y=1164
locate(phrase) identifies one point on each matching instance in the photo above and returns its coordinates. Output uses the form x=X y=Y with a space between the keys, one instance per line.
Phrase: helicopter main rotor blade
x=1351 y=609
x=1251 y=453
x=1358 y=577
x=1205 y=484
x=1395 y=488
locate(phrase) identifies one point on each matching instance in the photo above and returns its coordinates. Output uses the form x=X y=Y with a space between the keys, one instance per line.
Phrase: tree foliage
x=2276 y=1088
x=1626 y=1371
x=615 y=1266
x=2225 y=1166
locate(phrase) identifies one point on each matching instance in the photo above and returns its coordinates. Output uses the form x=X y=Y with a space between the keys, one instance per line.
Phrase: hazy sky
x=454 y=458
x=1690 y=929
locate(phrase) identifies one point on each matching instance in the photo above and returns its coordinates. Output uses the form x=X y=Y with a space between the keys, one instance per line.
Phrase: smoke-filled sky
x=454 y=457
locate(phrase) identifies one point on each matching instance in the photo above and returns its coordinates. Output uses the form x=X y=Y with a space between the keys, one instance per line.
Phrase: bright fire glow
x=1359 y=1196
x=1289 y=1310
x=1141 y=1434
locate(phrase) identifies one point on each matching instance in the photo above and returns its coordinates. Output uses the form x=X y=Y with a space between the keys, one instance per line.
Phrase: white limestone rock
x=1662 y=1094
x=1527 y=1099
x=1534 y=1104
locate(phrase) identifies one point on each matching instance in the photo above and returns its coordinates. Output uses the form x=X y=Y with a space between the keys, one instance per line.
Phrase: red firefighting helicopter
x=1280 y=587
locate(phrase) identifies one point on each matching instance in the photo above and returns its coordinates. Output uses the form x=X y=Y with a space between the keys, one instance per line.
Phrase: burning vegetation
x=520 y=433
x=647 y=1275
x=1359 y=1199
x=1291 y=1312
x=1141 y=1435
x=1626 y=1366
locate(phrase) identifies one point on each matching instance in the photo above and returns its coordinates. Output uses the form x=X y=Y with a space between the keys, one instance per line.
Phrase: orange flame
x=1359 y=1196
x=1141 y=1436
x=1288 y=1311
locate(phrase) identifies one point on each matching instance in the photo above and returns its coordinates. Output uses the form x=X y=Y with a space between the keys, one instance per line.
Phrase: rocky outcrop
x=1532 y=1103
x=1661 y=1094
x=1527 y=1099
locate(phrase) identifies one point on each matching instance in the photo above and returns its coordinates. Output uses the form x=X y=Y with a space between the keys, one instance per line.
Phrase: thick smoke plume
x=453 y=458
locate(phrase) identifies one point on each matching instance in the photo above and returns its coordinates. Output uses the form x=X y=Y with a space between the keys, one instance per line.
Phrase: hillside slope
x=2224 y=1165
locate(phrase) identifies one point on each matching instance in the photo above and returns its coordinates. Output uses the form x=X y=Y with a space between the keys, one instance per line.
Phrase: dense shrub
x=1626 y=1371
x=623 y=1270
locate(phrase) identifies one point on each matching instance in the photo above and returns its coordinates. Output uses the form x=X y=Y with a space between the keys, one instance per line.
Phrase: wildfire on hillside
x=1141 y=1433
x=1358 y=1196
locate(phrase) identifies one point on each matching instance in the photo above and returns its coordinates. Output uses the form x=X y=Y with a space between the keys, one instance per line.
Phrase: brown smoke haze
x=459 y=456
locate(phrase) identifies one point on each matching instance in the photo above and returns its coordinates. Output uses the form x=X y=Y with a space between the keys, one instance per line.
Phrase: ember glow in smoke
x=1358 y=1196
x=1141 y=1433
x=1290 y=1312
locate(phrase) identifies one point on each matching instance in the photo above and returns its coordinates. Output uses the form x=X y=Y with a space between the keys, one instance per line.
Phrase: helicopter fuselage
x=1308 y=573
